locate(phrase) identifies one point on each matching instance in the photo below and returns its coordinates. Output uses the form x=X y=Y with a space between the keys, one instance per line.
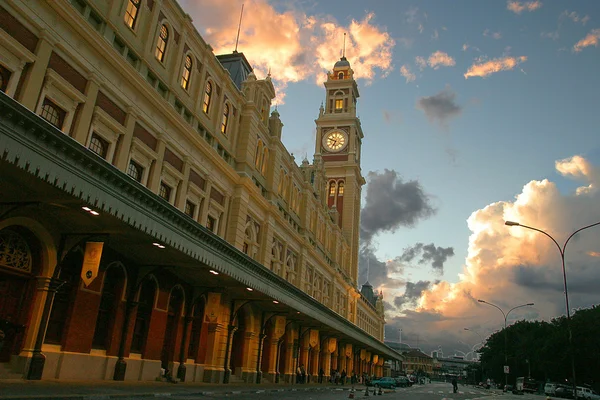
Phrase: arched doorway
x=238 y=344
x=172 y=327
x=111 y=308
x=198 y=334
x=19 y=264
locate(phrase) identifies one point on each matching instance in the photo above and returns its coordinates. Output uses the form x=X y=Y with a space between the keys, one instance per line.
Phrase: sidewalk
x=18 y=389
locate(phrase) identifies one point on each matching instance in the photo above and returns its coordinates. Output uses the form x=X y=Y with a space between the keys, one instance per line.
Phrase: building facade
x=127 y=142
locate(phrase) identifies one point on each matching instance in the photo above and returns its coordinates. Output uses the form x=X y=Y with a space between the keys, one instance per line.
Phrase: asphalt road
x=434 y=391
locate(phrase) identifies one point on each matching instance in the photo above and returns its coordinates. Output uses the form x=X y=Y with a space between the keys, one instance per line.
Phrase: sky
x=474 y=112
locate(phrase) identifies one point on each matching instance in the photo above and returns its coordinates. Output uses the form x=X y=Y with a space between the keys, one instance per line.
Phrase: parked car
x=508 y=388
x=402 y=381
x=385 y=382
x=564 y=392
x=550 y=389
x=587 y=393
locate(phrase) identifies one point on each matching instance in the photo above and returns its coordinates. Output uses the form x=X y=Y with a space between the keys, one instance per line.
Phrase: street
x=433 y=391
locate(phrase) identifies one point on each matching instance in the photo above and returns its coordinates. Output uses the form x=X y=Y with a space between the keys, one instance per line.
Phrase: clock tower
x=338 y=147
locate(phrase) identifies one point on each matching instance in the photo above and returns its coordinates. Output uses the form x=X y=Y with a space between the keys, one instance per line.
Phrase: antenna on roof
x=344 y=48
x=368 y=264
x=237 y=39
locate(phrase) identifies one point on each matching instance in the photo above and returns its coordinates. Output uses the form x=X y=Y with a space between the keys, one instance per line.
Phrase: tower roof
x=343 y=62
x=239 y=68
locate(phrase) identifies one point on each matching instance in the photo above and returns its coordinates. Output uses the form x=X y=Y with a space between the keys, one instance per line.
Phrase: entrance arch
x=20 y=263
x=174 y=316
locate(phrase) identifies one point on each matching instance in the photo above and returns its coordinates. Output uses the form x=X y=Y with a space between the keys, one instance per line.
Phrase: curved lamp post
x=481 y=345
x=505 y=315
x=562 y=257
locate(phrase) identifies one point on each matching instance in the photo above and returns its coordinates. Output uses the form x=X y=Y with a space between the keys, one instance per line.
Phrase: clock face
x=335 y=141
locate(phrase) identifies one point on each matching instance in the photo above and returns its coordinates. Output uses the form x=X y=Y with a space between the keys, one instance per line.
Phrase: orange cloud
x=405 y=72
x=517 y=7
x=487 y=68
x=592 y=39
x=439 y=58
x=578 y=167
x=509 y=266
x=293 y=45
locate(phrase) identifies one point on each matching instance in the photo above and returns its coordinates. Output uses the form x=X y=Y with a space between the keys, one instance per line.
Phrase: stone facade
x=185 y=142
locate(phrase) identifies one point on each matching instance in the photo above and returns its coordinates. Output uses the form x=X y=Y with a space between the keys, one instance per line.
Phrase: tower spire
x=237 y=39
x=344 y=48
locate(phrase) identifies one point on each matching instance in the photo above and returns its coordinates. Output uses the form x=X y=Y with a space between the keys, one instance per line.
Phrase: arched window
x=207 y=97
x=340 y=189
x=259 y=150
x=332 y=188
x=225 y=120
x=142 y=317
x=265 y=161
x=161 y=44
x=187 y=72
x=112 y=290
x=131 y=14
x=340 y=75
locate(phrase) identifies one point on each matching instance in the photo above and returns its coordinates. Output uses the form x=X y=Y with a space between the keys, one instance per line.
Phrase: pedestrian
x=2 y=336
x=454 y=385
x=321 y=373
x=343 y=377
x=298 y=374
x=302 y=373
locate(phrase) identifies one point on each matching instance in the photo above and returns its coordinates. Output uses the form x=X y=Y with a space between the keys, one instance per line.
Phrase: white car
x=550 y=389
x=587 y=393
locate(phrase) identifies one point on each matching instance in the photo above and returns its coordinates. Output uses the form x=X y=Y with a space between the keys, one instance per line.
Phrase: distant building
x=444 y=367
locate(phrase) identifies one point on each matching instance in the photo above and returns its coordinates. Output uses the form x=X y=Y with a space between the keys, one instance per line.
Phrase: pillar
x=156 y=170
x=82 y=125
x=122 y=152
x=34 y=82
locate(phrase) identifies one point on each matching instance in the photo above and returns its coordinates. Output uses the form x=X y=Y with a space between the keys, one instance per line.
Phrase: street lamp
x=564 y=271
x=481 y=343
x=505 y=315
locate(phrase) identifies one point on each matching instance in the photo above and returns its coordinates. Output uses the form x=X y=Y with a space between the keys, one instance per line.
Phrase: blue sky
x=468 y=143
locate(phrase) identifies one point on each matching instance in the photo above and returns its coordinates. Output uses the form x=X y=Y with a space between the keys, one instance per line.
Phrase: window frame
x=186 y=75
x=225 y=119
x=105 y=144
x=160 y=49
x=167 y=193
x=129 y=19
x=60 y=113
x=138 y=168
x=206 y=100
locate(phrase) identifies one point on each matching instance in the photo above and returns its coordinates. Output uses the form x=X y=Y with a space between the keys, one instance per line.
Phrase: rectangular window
x=118 y=45
x=339 y=104
x=165 y=191
x=190 y=209
x=211 y=223
x=53 y=113
x=96 y=21
x=4 y=77
x=135 y=171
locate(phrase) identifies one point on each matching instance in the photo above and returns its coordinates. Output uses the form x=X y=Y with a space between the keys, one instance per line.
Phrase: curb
x=205 y=393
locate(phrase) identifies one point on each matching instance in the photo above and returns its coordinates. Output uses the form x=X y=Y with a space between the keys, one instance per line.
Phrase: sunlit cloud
x=518 y=7
x=439 y=58
x=420 y=62
x=493 y=35
x=293 y=45
x=484 y=69
x=405 y=72
x=509 y=266
x=592 y=39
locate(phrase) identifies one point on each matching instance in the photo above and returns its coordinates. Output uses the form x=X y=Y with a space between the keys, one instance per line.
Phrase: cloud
x=573 y=16
x=420 y=62
x=550 y=35
x=592 y=39
x=412 y=293
x=494 y=35
x=466 y=47
x=429 y=253
x=518 y=7
x=439 y=58
x=295 y=46
x=509 y=266
x=440 y=107
x=405 y=72
x=392 y=203
x=486 y=68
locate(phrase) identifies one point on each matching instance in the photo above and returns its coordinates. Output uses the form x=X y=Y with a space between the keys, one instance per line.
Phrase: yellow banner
x=314 y=338
x=91 y=262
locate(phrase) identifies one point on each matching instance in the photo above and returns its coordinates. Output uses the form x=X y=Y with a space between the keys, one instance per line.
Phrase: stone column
x=82 y=125
x=182 y=189
x=122 y=152
x=314 y=364
x=326 y=363
x=11 y=88
x=156 y=170
x=35 y=80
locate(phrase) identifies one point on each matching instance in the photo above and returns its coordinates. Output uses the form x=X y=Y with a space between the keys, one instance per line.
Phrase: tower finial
x=344 y=48
x=237 y=39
